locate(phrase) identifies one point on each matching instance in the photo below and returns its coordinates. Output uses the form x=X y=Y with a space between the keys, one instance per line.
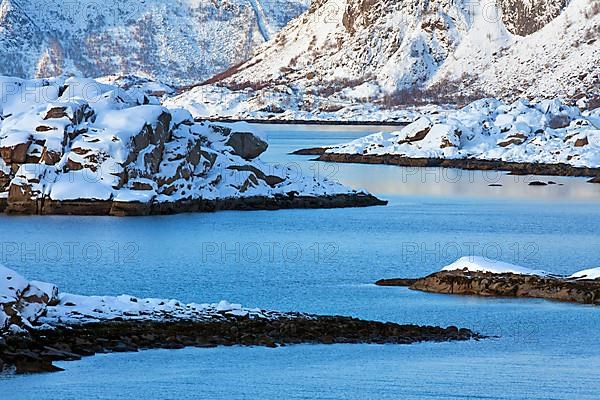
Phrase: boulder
x=558 y=121
x=516 y=139
x=582 y=142
x=21 y=199
x=271 y=180
x=246 y=145
x=16 y=154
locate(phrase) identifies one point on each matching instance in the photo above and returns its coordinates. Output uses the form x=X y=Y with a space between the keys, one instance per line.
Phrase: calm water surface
x=325 y=261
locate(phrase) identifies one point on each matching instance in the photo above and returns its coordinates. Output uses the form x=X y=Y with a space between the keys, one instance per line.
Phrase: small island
x=481 y=277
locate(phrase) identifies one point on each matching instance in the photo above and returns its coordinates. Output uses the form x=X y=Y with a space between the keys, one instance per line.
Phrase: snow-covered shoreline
x=78 y=146
x=543 y=138
x=39 y=325
x=549 y=132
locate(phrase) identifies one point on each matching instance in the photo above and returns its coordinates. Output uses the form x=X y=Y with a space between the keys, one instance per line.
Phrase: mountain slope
x=179 y=42
x=373 y=48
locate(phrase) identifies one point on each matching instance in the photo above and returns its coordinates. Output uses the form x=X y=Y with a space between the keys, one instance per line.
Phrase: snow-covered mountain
x=361 y=49
x=176 y=41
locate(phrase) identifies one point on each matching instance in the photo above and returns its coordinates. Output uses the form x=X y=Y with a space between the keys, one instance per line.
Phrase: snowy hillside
x=178 y=41
x=372 y=50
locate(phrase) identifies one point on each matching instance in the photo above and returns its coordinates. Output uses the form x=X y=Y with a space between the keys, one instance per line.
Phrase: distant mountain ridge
x=178 y=41
x=369 y=49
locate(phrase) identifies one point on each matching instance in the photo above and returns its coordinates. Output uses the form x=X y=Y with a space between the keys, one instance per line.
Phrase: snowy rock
x=482 y=277
x=22 y=302
x=93 y=148
x=592 y=273
x=29 y=305
x=482 y=264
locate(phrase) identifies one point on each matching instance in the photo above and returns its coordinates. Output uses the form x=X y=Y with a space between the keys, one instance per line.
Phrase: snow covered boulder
x=482 y=264
x=592 y=273
x=23 y=302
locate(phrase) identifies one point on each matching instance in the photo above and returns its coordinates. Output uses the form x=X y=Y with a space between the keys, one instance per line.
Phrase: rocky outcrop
x=462 y=282
x=524 y=17
x=39 y=325
x=87 y=148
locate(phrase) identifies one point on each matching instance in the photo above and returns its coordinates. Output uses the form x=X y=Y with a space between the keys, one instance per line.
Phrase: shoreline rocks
x=545 y=137
x=36 y=352
x=39 y=325
x=488 y=284
x=254 y=203
x=516 y=168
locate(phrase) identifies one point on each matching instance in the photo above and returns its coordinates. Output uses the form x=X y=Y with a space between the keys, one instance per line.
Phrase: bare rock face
x=524 y=17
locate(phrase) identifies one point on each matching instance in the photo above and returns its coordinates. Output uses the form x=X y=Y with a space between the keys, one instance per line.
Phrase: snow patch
x=482 y=264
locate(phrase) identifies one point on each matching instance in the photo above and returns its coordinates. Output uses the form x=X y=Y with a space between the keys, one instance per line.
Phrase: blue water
x=325 y=261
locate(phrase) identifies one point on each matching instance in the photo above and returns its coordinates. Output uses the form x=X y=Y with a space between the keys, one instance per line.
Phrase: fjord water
x=325 y=261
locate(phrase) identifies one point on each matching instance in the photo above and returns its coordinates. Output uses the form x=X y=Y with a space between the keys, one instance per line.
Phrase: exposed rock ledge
x=36 y=352
x=116 y=208
x=581 y=287
x=40 y=325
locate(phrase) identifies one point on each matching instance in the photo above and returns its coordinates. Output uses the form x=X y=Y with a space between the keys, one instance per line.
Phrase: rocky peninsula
x=78 y=146
x=40 y=325
x=525 y=138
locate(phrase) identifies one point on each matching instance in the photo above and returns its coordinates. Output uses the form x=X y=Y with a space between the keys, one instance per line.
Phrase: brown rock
x=271 y=180
x=246 y=145
x=504 y=285
x=16 y=154
x=582 y=142
x=56 y=113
